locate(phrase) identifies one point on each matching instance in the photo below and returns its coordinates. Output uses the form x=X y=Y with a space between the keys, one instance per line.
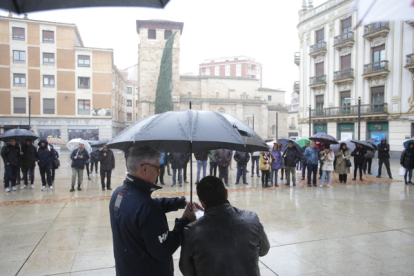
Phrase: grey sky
x=263 y=29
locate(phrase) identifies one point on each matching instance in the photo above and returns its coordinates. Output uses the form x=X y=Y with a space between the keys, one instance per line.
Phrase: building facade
x=339 y=65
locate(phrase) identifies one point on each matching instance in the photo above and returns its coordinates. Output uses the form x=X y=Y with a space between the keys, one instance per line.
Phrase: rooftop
x=160 y=24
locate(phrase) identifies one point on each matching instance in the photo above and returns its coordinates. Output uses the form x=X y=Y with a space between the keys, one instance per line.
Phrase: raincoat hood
x=383 y=139
x=44 y=141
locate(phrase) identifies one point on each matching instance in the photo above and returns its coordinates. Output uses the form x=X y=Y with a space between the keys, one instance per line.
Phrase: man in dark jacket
x=28 y=161
x=79 y=157
x=226 y=240
x=143 y=244
x=407 y=161
x=368 y=160
x=292 y=157
x=201 y=158
x=358 y=155
x=45 y=156
x=384 y=157
x=11 y=157
x=223 y=158
x=312 y=158
x=242 y=158
x=177 y=160
x=107 y=159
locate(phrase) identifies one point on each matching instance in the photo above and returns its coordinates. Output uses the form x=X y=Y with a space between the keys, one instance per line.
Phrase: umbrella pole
x=191 y=176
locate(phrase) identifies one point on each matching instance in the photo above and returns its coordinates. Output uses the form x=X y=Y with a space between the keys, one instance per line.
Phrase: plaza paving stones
x=358 y=228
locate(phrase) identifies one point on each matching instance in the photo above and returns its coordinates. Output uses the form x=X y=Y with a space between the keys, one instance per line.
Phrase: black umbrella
x=20 y=135
x=24 y=6
x=100 y=143
x=365 y=144
x=285 y=142
x=372 y=141
x=324 y=138
x=189 y=131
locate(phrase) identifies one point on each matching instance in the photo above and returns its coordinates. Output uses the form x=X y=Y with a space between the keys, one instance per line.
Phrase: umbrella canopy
x=100 y=143
x=407 y=143
x=270 y=144
x=370 y=11
x=372 y=141
x=324 y=138
x=365 y=144
x=20 y=135
x=74 y=144
x=285 y=142
x=24 y=6
x=302 y=141
x=176 y=131
x=56 y=141
x=351 y=146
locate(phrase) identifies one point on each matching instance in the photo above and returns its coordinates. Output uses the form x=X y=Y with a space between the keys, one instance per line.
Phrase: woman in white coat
x=328 y=158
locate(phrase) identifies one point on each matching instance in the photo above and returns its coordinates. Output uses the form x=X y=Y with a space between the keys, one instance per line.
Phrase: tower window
x=152 y=34
x=167 y=34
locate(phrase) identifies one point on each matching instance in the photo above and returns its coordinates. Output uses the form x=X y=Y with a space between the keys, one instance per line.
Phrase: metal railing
x=296 y=85
x=297 y=56
x=351 y=110
x=376 y=66
x=410 y=59
x=317 y=47
x=371 y=28
x=317 y=80
x=343 y=38
x=344 y=74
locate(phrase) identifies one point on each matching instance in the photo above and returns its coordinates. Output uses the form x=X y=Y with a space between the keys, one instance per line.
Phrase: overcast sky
x=262 y=29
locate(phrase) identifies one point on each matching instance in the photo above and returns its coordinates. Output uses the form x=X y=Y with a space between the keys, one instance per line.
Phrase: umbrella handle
x=191 y=176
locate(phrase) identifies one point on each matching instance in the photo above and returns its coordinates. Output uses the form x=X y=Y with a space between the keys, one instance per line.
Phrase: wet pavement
x=361 y=228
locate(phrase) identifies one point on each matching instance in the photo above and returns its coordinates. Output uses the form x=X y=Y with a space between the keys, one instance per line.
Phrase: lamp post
x=30 y=107
x=359 y=115
x=310 y=119
x=277 y=124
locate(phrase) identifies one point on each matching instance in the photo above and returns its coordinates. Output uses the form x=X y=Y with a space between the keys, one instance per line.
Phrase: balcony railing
x=376 y=67
x=374 y=27
x=349 y=36
x=351 y=110
x=251 y=72
x=296 y=85
x=320 y=46
x=344 y=74
x=410 y=60
x=317 y=80
x=297 y=58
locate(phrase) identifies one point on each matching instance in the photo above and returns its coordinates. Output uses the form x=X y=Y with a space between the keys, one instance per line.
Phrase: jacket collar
x=217 y=205
x=146 y=186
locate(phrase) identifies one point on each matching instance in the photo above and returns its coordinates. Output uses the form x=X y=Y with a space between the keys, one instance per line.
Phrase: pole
x=359 y=118
x=310 y=121
x=30 y=107
x=191 y=170
x=277 y=124
x=253 y=121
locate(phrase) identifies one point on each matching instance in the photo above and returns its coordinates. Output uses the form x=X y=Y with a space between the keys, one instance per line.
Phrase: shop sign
x=378 y=126
x=346 y=127
x=323 y=127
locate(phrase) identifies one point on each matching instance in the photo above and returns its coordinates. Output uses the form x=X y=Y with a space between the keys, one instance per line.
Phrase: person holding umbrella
x=358 y=155
x=28 y=163
x=407 y=161
x=291 y=156
x=45 y=156
x=327 y=167
x=342 y=159
x=79 y=157
x=11 y=156
x=312 y=157
x=276 y=163
x=264 y=166
x=107 y=159
x=384 y=157
x=223 y=158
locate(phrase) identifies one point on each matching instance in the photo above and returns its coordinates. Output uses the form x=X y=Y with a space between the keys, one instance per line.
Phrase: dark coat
x=45 y=154
x=28 y=159
x=223 y=157
x=407 y=158
x=143 y=244
x=359 y=158
x=242 y=158
x=177 y=160
x=94 y=156
x=383 y=150
x=108 y=161
x=292 y=157
x=201 y=156
x=11 y=155
x=79 y=163
x=223 y=231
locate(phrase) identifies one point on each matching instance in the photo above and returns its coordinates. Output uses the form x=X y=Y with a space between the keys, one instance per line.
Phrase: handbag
x=56 y=163
x=348 y=163
x=402 y=171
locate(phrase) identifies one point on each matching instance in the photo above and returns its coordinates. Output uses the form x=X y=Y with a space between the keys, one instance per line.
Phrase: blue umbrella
x=285 y=142
x=407 y=143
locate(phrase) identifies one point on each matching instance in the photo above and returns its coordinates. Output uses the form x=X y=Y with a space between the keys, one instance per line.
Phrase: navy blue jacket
x=143 y=243
x=45 y=154
x=79 y=163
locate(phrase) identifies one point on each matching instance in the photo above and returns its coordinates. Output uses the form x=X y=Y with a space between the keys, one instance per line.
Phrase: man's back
x=225 y=241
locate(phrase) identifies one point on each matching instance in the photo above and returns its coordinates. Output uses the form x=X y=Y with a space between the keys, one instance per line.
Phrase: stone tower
x=153 y=35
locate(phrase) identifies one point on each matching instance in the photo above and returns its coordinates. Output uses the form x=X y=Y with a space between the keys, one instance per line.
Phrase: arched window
x=221 y=110
x=217 y=94
x=189 y=94
x=244 y=95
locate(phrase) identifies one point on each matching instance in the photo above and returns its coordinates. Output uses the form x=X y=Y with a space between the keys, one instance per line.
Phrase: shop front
x=320 y=128
x=378 y=130
x=346 y=131
x=89 y=133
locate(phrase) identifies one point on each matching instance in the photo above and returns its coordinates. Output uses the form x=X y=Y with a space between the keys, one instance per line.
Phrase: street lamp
x=310 y=119
x=30 y=107
x=277 y=124
x=359 y=115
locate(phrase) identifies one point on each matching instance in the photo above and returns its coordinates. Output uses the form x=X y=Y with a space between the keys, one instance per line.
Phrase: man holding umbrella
x=11 y=157
x=79 y=157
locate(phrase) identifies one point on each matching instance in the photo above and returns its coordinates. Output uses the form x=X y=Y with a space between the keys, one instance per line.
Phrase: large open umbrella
x=74 y=144
x=302 y=141
x=25 y=6
x=100 y=143
x=365 y=144
x=408 y=142
x=20 y=135
x=285 y=143
x=351 y=146
x=56 y=141
x=324 y=138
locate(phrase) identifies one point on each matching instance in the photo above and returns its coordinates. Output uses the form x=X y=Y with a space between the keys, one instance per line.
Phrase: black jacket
x=201 y=156
x=177 y=160
x=11 y=155
x=383 y=150
x=242 y=158
x=359 y=158
x=79 y=163
x=223 y=157
x=143 y=243
x=407 y=158
x=225 y=241
x=28 y=159
x=108 y=161
x=45 y=154
x=292 y=157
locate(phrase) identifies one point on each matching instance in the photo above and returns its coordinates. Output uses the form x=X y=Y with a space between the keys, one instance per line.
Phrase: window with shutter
x=346 y=25
x=18 y=33
x=320 y=35
x=319 y=68
x=48 y=81
x=48 y=36
x=319 y=104
x=84 y=61
x=19 y=79
x=345 y=62
x=48 y=106
x=19 y=56
x=19 y=105
x=48 y=58
x=378 y=53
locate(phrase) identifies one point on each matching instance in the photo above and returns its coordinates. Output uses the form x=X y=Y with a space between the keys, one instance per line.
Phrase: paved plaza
x=362 y=228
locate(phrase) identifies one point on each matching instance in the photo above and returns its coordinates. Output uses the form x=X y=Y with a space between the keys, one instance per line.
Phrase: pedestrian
x=45 y=155
x=167 y=163
x=11 y=156
x=142 y=241
x=343 y=157
x=384 y=157
x=55 y=163
x=282 y=164
x=226 y=240
x=328 y=166
x=79 y=157
x=358 y=155
x=177 y=160
x=201 y=158
x=312 y=158
x=264 y=165
x=242 y=158
x=368 y=160
x=304 y=162
x=213 y=162
x=28 y=161
x=107 y=159
x=94 y=159
x=88 y=170
x=162 y=170
x=407 y=161
x=321 y=151
x=223 y=158
x=276 y=164
x=186 y=160
x=291 y=156
x=256 y=159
